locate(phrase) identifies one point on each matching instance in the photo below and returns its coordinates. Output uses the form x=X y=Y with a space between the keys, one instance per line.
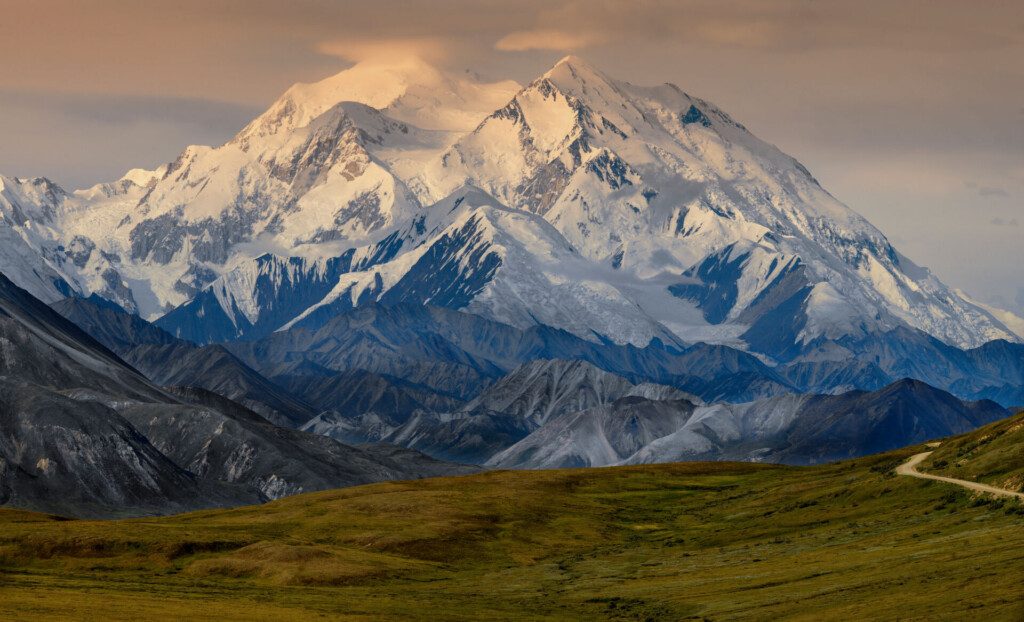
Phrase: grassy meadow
x=699 y=541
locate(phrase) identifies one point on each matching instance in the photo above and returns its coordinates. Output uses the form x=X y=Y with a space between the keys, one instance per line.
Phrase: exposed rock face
x=215 y=369
x=500 y=416
x=84 y=434
x=220 y=441
x=459 y=354
x=110 y=324
x=539 y=391
x=794 y=429
x=166 y=360
x=463 y=437
x=39 y=346
x=599 y=436
x=357 y=392
x=65 y=456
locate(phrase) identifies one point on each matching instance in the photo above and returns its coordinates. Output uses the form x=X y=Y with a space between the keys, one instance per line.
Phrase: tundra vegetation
x=712 y=540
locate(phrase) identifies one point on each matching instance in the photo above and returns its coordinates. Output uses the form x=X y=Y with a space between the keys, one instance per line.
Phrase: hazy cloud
x=80 y=139
x=356 y=50
x=126 y=109
x=547 y=39
x=987 y=191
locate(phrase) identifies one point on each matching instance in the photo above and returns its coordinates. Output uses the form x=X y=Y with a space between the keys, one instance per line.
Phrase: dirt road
x=909 y=468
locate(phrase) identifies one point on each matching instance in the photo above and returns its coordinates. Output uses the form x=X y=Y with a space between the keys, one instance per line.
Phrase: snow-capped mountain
x=652 y=180
x=615 y=212
x=28 y=256
x=409 y=90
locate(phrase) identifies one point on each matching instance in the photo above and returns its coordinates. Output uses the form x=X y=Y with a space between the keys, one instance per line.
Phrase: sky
x=911 y=112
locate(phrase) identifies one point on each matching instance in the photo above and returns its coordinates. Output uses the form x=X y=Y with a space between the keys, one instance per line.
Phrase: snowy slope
x=409 y=90
x=28 y=255
x=324 y=167
x=651 y=180
x=581 y=202
x=508 y=265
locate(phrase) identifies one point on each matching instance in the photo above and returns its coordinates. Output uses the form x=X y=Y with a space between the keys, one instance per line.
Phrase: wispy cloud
x=389 y=49
x=987 y=191
x=115 y=109
x=548 y=39
x=79 y=139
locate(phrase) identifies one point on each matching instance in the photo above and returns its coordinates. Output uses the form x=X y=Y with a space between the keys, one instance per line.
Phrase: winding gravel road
x=909 y=468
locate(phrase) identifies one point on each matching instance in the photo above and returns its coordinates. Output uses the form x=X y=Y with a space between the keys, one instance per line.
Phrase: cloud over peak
x=386 y=50
x=547 y=39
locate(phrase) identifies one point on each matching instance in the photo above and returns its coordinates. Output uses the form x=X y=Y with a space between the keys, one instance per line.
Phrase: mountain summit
x=616 y=212
x=411 y=91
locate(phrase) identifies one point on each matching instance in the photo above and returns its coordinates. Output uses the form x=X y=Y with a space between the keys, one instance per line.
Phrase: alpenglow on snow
x=612 y=211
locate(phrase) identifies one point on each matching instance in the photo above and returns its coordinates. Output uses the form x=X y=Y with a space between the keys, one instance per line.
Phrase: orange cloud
x=387 y=49
x=547 y=39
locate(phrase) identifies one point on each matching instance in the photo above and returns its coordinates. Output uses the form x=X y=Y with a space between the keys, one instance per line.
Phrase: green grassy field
x=682 y=541
x=992 y=455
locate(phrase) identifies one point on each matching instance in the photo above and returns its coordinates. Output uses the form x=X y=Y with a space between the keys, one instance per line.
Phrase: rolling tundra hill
x=992 y=454
x=724 y=541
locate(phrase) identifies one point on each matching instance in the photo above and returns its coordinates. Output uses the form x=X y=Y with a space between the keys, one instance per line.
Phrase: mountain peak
x=575 y=62
x=409 y=90
x=144 y=177
x=609 y=211
x=376 y=84
x=572 y=59
x=574 y=69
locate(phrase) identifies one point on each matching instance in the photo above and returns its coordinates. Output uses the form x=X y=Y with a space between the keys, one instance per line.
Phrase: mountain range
x=581 y=202
x=396 y=271
x=467 y=390
x=83 y=433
